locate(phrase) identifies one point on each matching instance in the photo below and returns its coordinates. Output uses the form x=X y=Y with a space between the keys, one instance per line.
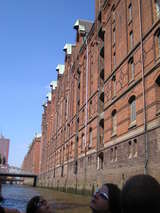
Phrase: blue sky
x=32 y=36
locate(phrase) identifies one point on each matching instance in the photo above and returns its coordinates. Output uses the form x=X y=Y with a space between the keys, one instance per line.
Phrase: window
x=101 y=102
x=90 y=138
x=113 y=86
x=157 y=6
x=131 y=40
x=115 y=153
x=100 y=161
x=114 y=60
x=114 y=36
x=129 y=149
x=101 y=131
x=111 y=154
x=83 y=142
x=76 y=167
x=62 y=171
x=157 y=92
x=135 y=148
x=66 y=107
x=131 y=69
x=157 y=43
x=113 y=13
x=132 y=102
x=114 y=122
x=130 y=12
x=71 y=155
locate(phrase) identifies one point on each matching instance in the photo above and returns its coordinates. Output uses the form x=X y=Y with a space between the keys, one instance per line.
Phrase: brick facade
x=101 y=122
x=31 y=161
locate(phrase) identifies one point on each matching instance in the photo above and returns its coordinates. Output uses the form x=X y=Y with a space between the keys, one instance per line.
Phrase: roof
x=68 y=49
x=60 y=68
x=49 y=96
x=53 y=84
x=83 y=25
x=38 y=135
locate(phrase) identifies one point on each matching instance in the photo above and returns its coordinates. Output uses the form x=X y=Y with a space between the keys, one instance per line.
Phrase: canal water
x=17 y=196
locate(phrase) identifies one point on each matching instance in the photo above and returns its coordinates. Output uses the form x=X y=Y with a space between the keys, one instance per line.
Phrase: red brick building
x=4 y=150
x=31 y=161
x=102 y=120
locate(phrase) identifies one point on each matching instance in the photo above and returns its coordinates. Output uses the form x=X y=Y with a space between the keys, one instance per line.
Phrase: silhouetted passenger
x=1 y=198
x=106 y=199
x=38 y=205
x=141 y=193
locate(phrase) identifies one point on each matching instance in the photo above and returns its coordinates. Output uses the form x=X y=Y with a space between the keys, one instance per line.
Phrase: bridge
x=15 y=172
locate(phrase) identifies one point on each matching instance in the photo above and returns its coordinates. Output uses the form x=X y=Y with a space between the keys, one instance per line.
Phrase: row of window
x=132 y=144
x=132 y=153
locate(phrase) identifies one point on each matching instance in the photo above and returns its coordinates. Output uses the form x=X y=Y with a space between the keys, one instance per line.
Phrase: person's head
x=141 y=193
x=38 y=205
x=106 y=199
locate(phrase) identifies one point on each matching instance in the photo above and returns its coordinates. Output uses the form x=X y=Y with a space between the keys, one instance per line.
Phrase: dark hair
x=2 y=209
x=141 y=193
x=114 y=194
x=32 y=204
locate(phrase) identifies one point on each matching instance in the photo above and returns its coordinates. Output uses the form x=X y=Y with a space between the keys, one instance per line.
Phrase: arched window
x=131 y=69
x=115 y=153
x=132 y=103
x=101 y=131
x=129 y=149
x=101 y=105
x=135 y=148
x=100 y=161
x=114 y=122
x=114 y=86
x=111 y=154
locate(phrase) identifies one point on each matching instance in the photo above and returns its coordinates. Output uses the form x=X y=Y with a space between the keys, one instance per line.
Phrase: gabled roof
x=53 y=85
x=38 y=135
x=68 y=49
x=60 y=68
x=83 y=25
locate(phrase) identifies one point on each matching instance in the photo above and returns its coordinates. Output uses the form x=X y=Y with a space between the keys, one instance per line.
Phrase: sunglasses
x=104 y=195
x=40 y=203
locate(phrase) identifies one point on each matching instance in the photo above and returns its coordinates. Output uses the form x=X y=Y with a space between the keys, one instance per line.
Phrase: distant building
x=4 y=150
x=31 y=161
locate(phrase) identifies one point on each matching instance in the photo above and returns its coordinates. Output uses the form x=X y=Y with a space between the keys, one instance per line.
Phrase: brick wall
x=117 y=73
